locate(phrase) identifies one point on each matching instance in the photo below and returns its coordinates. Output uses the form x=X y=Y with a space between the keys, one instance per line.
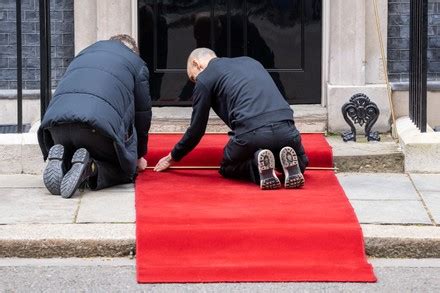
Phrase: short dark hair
x=127 y=41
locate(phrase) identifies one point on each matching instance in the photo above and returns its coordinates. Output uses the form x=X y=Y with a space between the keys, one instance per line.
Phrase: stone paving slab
x=115 y=205
x=376 y=198
x=21 y=181
x=391 y=212
x=35 y=205
x=380 y=186
x=432 y=201
x=426 y=182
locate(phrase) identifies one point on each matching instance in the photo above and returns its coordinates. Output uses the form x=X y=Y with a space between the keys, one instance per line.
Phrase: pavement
x=399 y=215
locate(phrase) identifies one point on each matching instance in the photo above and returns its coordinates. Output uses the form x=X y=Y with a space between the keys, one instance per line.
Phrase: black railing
x=45 y=74
x=45 y=64
x=418 y=63
x=19 y=69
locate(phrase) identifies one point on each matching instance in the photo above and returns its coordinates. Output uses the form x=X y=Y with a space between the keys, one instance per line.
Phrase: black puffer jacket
x=105 y=86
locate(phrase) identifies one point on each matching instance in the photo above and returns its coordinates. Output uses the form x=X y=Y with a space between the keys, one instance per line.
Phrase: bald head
x=198 y=60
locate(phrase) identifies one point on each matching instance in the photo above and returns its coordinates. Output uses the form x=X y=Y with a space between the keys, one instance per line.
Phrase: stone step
x=308 y=118
x=21 y=154
x=385 y=156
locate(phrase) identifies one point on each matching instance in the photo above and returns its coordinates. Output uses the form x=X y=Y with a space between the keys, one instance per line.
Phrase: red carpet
x=195 y=226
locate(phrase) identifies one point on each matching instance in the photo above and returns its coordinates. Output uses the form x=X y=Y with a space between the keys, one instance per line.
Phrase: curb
x=67 y=240
x=394 y=241
x=118 y=240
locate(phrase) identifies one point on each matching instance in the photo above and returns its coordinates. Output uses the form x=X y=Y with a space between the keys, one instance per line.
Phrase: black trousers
x=74 y=136
x=239 y=154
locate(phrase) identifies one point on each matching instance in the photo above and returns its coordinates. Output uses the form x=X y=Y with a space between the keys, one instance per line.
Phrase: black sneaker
x=293 y=176
x=81 y=170
x=54 y=172
x=266 y=168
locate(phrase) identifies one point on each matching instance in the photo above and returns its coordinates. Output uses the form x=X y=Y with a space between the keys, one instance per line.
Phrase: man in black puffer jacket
x=96 y=126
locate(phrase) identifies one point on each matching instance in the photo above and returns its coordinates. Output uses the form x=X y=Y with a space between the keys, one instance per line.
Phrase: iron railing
x=19 y=69
x=418 y=63
x=45 y=73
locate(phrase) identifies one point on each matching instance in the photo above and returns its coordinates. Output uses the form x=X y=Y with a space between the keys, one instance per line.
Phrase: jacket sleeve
x=142 y=104
x=199 y=121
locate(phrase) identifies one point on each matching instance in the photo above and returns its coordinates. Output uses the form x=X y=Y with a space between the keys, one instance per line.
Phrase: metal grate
x=13 y=128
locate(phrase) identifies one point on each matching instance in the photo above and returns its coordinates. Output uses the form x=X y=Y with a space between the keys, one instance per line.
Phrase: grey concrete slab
x=432 y=201
x=21 y=181
x=380 y=186
x=120 y=188
x=390 y=212
x=426 y=182
x=115 y=205
x=35 y=205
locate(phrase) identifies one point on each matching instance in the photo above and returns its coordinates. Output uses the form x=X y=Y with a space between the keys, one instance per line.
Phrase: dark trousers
x=239 y=154
x=101 y=149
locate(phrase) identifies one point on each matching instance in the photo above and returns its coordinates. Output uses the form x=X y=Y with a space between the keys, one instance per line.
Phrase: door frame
x=325 y=42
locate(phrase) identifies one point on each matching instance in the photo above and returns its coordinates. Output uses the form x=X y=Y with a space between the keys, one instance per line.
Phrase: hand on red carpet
x=142 y=164
x=164 y=163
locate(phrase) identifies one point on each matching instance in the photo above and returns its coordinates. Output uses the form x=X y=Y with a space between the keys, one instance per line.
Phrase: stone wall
x=398 y=40
x=62 y=38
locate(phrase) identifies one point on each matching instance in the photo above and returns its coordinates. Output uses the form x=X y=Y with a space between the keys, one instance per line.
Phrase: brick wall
x=398 y=40
x=62 y=42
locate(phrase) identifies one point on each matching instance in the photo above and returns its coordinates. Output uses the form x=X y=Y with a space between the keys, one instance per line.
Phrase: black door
x=284 y=35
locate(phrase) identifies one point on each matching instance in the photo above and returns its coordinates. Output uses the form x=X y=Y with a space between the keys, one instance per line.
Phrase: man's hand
x=164 y=163
x=141 y=164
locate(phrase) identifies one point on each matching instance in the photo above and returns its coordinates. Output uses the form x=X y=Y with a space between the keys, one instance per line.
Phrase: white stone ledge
x=20 y=153
x=27 y=94
x=422 y=150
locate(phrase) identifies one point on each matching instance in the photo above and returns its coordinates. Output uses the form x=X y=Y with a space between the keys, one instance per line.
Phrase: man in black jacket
x=245 y=97
x=96 y=126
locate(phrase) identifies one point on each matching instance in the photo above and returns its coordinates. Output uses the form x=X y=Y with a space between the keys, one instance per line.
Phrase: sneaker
x=266 y=168
x=54 y=172
x=293 y=176
x=81 y=170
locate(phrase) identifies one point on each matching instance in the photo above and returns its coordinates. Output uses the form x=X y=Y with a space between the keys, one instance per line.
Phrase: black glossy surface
x=284 y=35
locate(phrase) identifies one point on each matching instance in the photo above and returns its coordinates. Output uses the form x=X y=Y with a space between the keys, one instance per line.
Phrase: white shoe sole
x=266 y=168
x=292 y=173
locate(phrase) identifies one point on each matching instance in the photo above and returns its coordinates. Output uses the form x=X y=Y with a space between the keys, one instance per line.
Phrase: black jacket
x=105 y=86
x=241 y=92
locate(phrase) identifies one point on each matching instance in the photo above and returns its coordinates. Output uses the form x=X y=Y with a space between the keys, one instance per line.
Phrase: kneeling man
x=95 y=129
x=245 y=97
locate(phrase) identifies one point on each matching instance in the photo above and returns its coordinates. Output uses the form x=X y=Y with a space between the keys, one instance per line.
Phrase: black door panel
x=284 y=35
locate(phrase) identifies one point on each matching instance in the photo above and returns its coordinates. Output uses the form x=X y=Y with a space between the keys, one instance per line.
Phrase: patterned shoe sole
x=293 y=176
x=53 y=173
x=72 y=179
x=266 y=168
